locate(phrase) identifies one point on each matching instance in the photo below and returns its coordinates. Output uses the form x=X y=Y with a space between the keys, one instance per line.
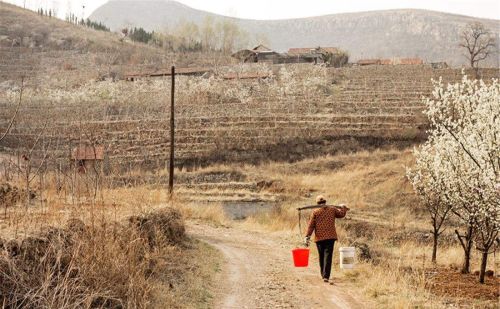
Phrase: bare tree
x=478 y=42
x=28 y=167
x=11 y=122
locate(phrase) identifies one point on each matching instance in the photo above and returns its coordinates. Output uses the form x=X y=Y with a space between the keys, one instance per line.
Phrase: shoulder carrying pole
x=317 y=206
x=310 y=207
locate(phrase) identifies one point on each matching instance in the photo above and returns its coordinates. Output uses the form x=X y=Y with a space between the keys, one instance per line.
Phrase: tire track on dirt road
x=258 y=273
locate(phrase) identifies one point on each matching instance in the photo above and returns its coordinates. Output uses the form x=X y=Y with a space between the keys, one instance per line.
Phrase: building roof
x=168 y=72
x=261 y=48
x=410 y=61
x=248 y=75
x=369 y=61
x=332 y=50
x=300 y=51
x=309 y=50
x=88 y=153
x=393 y=61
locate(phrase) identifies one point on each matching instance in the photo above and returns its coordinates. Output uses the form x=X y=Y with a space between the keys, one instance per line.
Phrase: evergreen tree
x=140 y=35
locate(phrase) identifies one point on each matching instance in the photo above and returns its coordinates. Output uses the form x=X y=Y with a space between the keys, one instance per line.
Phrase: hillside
x=430 y=35
x=302 y=111
x=38 y=47
x=24 y=28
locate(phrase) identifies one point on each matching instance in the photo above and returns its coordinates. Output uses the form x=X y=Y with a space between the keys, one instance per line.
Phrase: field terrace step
x=210 y=138
x=251 y=198
x=230 y=186
x=225 y=194
x=158 y=127
x=381 y=102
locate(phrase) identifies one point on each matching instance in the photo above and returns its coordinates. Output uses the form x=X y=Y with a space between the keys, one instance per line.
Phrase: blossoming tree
x=462 y=157
x=426 y=177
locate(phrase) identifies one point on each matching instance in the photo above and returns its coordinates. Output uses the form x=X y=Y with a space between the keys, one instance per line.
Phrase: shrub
x=106 y=265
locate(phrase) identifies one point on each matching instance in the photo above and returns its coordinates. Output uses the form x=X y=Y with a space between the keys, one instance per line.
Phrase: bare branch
x=479 y=43
x=16 y=112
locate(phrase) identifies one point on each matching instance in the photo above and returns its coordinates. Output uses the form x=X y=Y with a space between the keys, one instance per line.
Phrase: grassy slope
x=16 y=22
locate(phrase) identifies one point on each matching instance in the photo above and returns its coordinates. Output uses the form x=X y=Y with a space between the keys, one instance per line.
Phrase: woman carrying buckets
x=322 y=223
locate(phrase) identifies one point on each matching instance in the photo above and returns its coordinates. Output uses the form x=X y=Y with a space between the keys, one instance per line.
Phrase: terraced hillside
x=301 y=111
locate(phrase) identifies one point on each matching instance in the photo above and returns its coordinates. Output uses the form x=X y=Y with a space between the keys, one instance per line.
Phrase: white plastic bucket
x=347 y=257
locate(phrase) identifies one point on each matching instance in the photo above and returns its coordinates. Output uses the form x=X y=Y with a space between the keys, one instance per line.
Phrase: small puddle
x=237 y=210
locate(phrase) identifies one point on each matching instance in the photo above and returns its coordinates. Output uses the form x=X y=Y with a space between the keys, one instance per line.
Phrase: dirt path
x=258 y=273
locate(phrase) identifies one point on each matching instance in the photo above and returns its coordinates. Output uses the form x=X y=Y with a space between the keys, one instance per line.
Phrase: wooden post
x=172 y=135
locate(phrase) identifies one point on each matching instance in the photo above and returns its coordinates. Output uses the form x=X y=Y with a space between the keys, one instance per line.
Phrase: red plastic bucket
x=300 y=257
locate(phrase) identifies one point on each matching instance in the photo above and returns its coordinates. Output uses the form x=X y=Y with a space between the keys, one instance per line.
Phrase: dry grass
x=104 y=264
x=213 y=213
x=384 y=216
x=124 y=250
x=194 y=287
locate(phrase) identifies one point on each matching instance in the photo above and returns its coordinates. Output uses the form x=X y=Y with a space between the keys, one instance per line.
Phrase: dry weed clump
x=212 y=213
x=9 y=195
x=104 y=265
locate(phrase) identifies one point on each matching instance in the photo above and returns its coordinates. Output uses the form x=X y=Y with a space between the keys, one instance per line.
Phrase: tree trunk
x=27 y=188
x=467 y=251
x=434 y=248
x=484 y=261
x=466 y=242
x=466 y=264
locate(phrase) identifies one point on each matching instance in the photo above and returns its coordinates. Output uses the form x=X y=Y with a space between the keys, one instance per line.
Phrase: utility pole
x=172 y=135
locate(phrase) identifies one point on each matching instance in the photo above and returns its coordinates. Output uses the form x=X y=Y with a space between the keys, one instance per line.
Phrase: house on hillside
x=315 y=50
x=86 y=157
x=363 y=62
x=332 y=56
x=304 y=55
x=314 y=55
x=261 y=48
x=406 y=61
x=259 y=53
x=393 y=61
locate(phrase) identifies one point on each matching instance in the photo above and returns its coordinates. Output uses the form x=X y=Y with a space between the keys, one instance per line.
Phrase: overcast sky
x=278 y=9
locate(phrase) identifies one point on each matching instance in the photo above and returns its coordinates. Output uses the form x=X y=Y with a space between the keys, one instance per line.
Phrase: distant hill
x=432 y=36
x=40 y=47
x=25 y=28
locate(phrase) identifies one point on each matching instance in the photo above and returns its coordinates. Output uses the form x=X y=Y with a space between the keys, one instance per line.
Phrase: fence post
x=172 y=133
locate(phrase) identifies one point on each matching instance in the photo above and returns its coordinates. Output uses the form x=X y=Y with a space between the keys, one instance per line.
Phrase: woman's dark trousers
x=325 y=251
